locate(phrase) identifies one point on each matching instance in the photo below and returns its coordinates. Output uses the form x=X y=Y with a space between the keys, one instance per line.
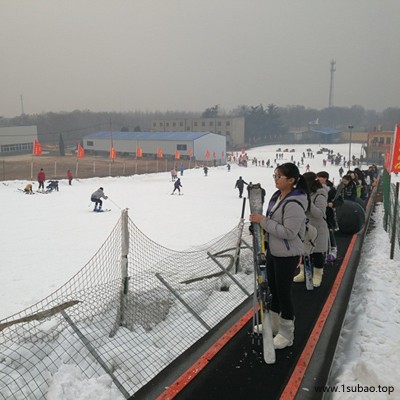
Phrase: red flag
x=37 y=148
x=81 y=151
x=177 y=155
x=395 y=158
x=113 y=153
x=191 y=153
x=207 y=154
x=139 y=152
x=159 y=153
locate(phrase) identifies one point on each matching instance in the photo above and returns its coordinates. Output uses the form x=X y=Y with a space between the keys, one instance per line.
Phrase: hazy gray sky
x=124 y=55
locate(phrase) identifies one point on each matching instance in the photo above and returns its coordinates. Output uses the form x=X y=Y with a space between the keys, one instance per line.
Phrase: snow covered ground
x=46 y=239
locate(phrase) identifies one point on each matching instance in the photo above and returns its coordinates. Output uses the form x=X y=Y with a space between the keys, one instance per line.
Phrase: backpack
x=311 y=232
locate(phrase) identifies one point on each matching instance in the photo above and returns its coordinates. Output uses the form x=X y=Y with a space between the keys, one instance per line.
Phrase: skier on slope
x=240 y=185
x=177 y=186
x=28 y=188
x=69 y=177
x=41 y=177
x=96 y=198
x=52 y=185
x=205 y=169
x=174 y=174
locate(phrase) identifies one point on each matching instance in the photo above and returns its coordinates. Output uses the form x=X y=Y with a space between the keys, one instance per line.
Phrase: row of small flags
x=37 y=151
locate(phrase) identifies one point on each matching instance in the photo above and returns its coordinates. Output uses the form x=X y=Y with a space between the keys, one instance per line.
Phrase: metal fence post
x=394 y=222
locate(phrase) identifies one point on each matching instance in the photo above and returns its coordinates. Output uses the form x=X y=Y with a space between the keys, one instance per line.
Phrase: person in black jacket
x=349 y=190
x=240 y=185
x=334 y=201
x=177 y=186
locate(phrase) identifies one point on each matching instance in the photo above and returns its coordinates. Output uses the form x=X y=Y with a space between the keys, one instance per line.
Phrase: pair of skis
x=262 y=295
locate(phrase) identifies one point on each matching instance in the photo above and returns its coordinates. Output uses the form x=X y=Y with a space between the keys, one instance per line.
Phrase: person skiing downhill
x=96 y=198
x=174 y=174
x=177 y=186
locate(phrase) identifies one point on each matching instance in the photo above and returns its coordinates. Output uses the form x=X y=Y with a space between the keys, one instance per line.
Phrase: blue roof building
x=169 y=142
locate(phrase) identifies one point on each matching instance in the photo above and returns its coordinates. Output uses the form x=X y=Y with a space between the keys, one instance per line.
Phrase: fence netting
x=391 y=221
x=129 y=325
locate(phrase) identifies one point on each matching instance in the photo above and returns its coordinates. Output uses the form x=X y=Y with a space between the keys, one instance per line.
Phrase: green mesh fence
x=390 y=193
x=128 y=322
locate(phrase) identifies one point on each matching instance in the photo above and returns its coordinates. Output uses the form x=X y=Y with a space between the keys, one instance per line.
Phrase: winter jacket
x=177 y=184
x=41 y=177
x=240 y=184
x=349 y=192
x=317 y=217
x=285 y=225
x=98 y=194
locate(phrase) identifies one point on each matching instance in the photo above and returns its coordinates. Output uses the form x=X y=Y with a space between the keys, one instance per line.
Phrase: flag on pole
x=177 y=155
x=113 y=153
x=139 y=152
x=81 y=151
x=37 y=148
x=159 y=153
x=207 y=154
x=395 y=156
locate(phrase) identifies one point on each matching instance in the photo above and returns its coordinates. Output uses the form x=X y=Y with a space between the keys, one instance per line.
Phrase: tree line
x=261 y=122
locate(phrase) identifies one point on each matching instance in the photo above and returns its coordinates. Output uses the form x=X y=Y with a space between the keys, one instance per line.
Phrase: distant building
x=17 y=139
x=377 y=145
x=322 y=135
x=230 y=127
x=197 y=143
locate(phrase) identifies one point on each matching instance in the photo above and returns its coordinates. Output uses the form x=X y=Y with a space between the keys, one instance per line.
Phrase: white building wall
x=212 y=143
x=208 y=142
x=148 y=146
x=17 y=139
x=18 y=134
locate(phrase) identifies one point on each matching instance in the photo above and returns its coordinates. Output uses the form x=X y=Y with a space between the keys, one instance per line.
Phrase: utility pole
x=350 y=140
x=22 y=104
x=333 y=69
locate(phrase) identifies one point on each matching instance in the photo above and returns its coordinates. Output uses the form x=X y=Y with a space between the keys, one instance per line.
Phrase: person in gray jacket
x=285 y=224
x=96 y=198
x=316 y=214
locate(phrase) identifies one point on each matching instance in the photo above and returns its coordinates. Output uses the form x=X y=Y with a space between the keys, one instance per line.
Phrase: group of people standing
x=299 y=200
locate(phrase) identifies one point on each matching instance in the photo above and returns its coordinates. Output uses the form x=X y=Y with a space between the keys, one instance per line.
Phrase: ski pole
x=114 y=203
